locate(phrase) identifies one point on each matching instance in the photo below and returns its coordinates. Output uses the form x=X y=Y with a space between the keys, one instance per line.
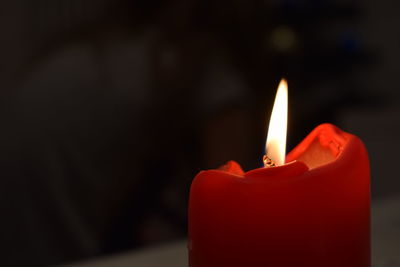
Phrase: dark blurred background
x=109 y=108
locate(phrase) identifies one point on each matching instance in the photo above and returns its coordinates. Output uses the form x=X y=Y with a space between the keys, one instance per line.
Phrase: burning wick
x=268 y=162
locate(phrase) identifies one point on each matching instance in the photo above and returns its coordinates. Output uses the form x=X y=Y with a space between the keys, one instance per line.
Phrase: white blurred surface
x=385 y=244
x=386 y=232
x=170 y=255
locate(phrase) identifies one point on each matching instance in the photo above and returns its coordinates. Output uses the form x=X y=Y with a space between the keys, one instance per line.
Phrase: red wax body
x=313 y=211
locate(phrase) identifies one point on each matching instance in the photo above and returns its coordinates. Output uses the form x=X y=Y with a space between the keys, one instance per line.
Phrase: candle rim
x=324 y=133
x=294 y=168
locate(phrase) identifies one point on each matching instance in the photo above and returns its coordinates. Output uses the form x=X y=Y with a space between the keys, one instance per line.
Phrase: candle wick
x=268 y=162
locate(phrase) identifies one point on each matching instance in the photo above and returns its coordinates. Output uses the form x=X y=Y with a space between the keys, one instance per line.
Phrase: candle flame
x=276 y=141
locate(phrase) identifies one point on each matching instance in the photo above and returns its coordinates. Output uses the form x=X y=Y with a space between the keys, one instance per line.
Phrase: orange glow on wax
x=276 y=140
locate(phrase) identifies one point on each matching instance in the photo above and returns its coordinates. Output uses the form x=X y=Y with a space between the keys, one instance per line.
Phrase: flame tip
x=283 y=82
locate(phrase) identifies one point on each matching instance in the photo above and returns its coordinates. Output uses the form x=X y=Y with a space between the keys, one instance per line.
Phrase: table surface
x=385 y=244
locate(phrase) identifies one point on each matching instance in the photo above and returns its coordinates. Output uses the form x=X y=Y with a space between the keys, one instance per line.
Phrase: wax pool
x=312 y=211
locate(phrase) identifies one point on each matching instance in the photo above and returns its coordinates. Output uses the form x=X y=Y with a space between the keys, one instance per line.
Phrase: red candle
x=312 y=211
